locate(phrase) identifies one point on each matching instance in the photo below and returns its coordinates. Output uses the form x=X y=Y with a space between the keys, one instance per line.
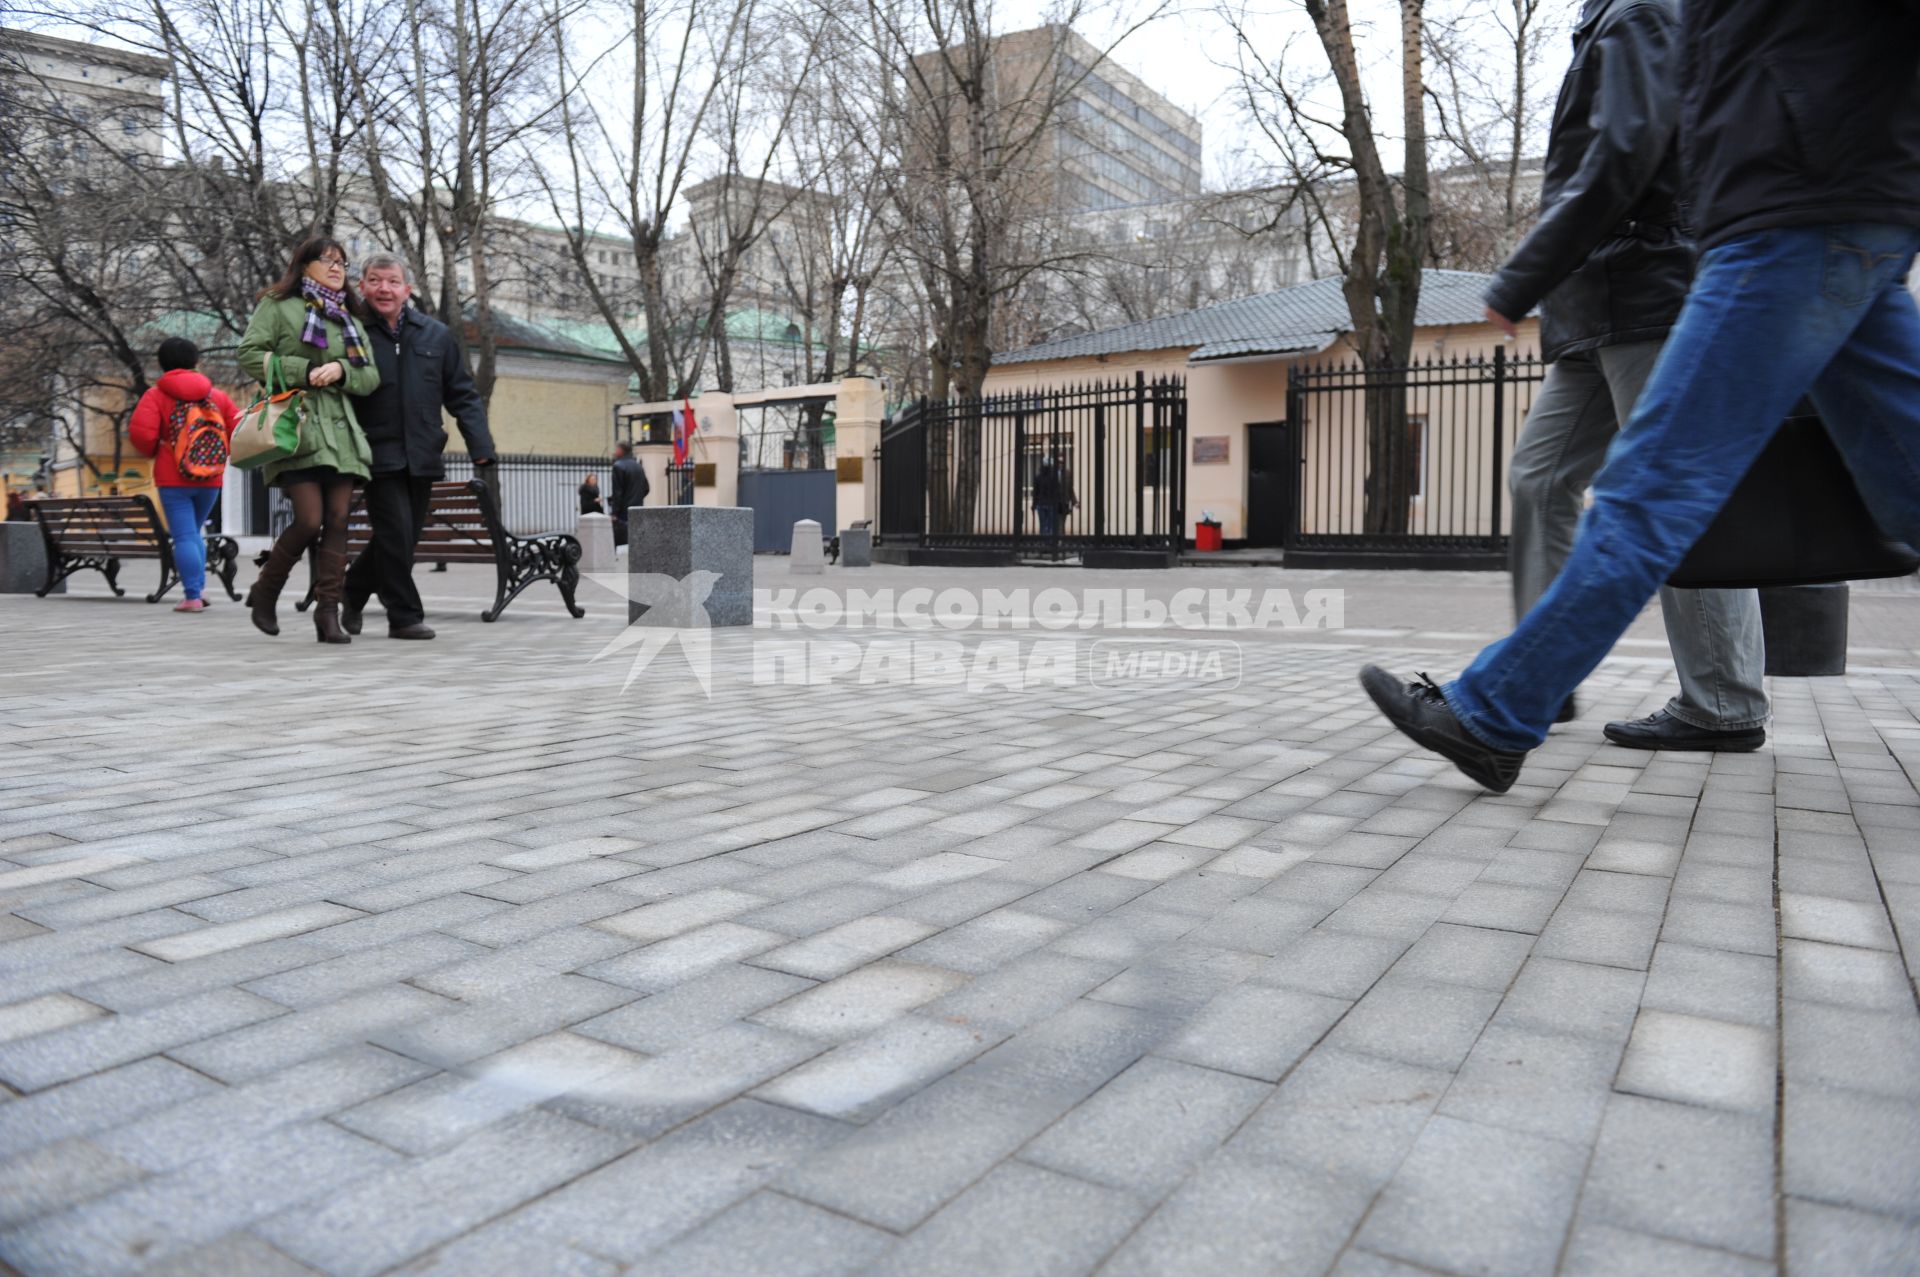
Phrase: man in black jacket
x=422 y=371
x=1608 y=264
x=1800 y=138
x=630 y=488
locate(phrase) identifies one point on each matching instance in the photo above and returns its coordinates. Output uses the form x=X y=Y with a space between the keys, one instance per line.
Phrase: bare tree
x=1376 y=223
x=1490 y=62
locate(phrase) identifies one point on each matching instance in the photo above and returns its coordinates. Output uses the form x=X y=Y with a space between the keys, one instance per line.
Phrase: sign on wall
x=1210 y=450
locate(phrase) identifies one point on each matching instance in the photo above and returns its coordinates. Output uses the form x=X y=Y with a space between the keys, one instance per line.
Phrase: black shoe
x=417 y=630
x=1662 y=730
x=1568 y=712
x=350 y=616
x=1420 y=712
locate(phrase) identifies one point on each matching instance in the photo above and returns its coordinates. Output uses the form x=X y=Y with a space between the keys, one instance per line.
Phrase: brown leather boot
x=272 y=579
x=329 y=583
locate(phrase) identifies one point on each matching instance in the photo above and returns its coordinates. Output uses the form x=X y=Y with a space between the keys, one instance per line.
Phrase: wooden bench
x=98 y=532
x=463 y=526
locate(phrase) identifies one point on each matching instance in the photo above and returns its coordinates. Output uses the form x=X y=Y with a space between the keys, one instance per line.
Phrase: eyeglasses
x=341 y=262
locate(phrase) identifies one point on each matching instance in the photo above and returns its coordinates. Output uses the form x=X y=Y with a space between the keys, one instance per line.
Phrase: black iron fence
x=679 y=485
x=1047 y=473
x=536 y=494
x=1405 y=466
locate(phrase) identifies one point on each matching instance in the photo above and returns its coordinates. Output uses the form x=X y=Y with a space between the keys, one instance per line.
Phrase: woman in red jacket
x=187 y=501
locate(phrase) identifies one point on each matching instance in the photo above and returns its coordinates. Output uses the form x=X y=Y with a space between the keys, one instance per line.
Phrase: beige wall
x=553 y=407
x=1223 y=399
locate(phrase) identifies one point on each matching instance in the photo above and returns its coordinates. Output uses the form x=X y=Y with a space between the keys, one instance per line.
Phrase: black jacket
x=1610 y=260
x=1801 y=113
x=630 y=487
x=421 y=373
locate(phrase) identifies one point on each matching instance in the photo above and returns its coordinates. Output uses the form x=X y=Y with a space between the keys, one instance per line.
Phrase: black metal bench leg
x=229 y=568
x=567 y=582
x=168 y=576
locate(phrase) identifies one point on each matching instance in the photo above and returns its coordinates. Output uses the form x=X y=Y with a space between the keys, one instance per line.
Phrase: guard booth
x=791 y=453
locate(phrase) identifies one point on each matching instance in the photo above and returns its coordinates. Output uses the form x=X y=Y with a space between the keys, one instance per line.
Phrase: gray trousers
x=1714 y=634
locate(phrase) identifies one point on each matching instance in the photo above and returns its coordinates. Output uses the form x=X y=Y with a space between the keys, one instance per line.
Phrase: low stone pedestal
x=23 y=559
x=706 y=554
x=809 y=557
x=596 y=544
x=856 y=547
x=1805 y=627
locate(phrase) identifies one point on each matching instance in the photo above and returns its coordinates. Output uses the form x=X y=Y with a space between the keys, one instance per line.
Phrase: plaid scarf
x=332 y=304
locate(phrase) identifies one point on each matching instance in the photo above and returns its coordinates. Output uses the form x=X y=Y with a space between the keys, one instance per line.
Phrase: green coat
x=330 y=435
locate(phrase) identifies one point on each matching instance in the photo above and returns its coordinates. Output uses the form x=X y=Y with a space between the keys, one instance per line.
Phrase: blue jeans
x=1772 y=316
x=1049 y=519
x=187 y=510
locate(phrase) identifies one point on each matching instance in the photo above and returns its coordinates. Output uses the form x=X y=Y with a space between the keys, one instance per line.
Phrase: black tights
x=319 y=514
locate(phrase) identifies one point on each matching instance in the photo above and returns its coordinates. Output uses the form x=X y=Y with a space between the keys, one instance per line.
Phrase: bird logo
x=663 y=610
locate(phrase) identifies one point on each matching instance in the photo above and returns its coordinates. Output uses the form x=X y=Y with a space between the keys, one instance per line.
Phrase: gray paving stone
x=1548 y=1084
x=1343 y=1115
x=1832 y=1239
x=1478 y=1198
x=206 y=1124
x=236 y=1255
x=260 y=1049
x=1257 y=1031
x=96 y=1103
x=1338 y=964
x=701 y=1074
x=1596 y=1250
x=1845 y=1148
x=159 y=1218
x=1238 y=1217
x=861 y=1001
x=1416 y=1021
x=326 y=981
x=1713 y=983
x=679 y=1014
x=650 y=1197
x=1473 y=956
x=509 y=1250
x=1022 y=1221
x=1573 y=997
x=441 y=1110
x=902 y=1167
x=1024 y=991
x=56 y=1176
x=1691 y=1174
x=859 y=1079
x=1870 y=979
x=390 y=1217
x=1604 y=938
x=497 y=971
x=684 y=957
x=734 y=1243
x=1847 y=1048
x=838 y=950
x=1147 y=1128
x=48 y=1058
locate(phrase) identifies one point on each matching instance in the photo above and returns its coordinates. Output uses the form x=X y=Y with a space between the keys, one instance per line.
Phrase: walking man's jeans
x=187 y=511
x=1771 y=316
x=397 y=511
x=1049 y=519
x=1714 y=634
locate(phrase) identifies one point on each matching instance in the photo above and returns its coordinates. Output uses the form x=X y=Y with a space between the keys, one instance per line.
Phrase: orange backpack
x=198 y=435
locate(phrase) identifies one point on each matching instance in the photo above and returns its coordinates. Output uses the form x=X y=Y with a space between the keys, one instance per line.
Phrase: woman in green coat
x=306 y=324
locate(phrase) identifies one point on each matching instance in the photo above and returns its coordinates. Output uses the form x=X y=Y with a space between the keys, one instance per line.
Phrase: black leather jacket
x=1801 y=113
x=1610 y=259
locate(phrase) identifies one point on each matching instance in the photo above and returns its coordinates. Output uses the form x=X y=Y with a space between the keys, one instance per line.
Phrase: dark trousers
x=397 y=511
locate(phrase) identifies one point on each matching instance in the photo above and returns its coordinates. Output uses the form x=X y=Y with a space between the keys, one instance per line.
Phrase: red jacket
x=156 y=407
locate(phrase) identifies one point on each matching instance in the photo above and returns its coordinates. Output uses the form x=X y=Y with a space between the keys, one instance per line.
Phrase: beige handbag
x=269 y=430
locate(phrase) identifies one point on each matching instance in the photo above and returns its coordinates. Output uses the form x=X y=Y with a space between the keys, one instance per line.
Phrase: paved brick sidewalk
x=450 y=958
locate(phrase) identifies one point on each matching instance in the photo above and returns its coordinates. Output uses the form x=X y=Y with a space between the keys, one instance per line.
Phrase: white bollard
x=809 y=557
x=596 y=544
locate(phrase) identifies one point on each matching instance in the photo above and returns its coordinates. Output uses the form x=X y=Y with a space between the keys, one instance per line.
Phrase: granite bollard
x=596 y=544
x=707 y=550
x=23 y=559
x=809 y=557
x=856 y=547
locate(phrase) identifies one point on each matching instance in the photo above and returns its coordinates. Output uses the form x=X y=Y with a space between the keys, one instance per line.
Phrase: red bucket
x=1206 y=536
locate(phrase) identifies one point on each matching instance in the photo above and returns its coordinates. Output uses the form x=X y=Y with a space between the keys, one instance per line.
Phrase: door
x=781 y=498
x=1269 y=484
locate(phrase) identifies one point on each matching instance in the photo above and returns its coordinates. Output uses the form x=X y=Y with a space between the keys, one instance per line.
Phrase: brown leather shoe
x=418 y=630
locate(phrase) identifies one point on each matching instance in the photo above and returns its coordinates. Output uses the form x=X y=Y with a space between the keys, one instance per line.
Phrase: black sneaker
x=1568 y=712
x=1420 y=712
x=1661 y=730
